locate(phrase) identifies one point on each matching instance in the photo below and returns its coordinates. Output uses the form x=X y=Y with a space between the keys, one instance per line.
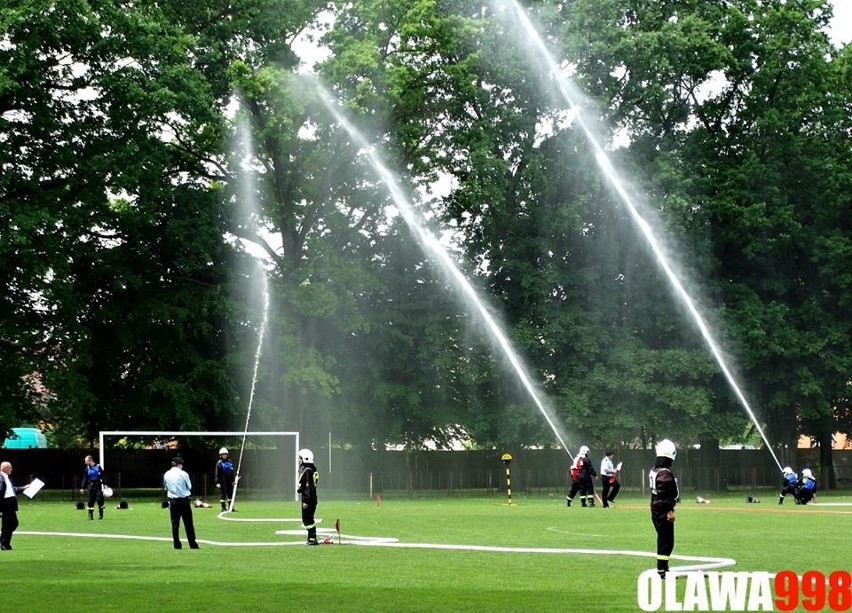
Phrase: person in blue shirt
x=789 y=483
x=178 y=488
x=806 y=489
x=225 y=478
x=93 y=485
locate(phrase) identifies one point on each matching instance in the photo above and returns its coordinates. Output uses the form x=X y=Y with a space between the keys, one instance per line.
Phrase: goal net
x=261 y=459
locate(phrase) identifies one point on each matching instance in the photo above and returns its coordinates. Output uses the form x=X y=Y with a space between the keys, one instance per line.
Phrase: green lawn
x=78 y=573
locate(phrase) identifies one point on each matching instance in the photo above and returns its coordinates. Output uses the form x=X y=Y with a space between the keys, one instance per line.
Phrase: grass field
x=63 y=562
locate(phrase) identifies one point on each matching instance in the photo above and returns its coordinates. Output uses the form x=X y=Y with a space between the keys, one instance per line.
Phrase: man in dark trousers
x=789 y=483
x=664 y=497
x=308 y=479
x=178 y=491
x=8 y=506
x=225 y=478
x=93 y=482
x=609 y=479
x=582 y=473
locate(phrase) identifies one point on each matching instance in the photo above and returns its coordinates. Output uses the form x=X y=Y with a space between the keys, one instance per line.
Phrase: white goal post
x=174 y=433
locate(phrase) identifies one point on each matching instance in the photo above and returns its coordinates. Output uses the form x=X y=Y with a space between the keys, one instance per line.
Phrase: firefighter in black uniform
x=93 y=481
x=664 y=497
x=583 y=473
x=225 y=478
x=308 y=479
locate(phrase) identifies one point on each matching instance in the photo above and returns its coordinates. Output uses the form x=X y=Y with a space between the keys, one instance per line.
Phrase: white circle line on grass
x=159 y=539
x=702 y=563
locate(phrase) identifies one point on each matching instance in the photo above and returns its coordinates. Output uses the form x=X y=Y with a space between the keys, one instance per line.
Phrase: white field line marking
x=702 y=563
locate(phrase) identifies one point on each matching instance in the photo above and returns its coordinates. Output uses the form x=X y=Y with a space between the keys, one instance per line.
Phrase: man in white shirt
x=178 y=490
x=8 y=506
x=609 y=479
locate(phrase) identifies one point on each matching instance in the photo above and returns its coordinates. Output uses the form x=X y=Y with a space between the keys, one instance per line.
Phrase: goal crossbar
x=177 y=433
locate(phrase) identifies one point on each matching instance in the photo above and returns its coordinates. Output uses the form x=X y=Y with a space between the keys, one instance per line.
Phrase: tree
x=745 y=97
x=116 y=118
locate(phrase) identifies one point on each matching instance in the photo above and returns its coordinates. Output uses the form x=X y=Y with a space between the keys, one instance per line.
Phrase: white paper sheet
x=33 y=488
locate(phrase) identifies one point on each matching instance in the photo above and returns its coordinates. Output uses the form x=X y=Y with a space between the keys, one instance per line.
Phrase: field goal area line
x=173 y=433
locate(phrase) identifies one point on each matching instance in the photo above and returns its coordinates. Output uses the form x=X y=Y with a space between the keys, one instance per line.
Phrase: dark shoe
x=194 y=546
x=178 y=546
x=5 y=548
x=568 y=500
x=311 y=543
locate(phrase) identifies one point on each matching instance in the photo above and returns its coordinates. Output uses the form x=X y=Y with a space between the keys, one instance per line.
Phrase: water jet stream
x=433 y=247
x=570 y=96
x=248 y=202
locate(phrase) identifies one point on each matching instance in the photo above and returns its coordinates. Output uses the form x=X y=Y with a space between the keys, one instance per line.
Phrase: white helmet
x=786 y=471
x=584 y=451
x=807 y=473
x=306 y=456
x=666 y=449
x=223 y=451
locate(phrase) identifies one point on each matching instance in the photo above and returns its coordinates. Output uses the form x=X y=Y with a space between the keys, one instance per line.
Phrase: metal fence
x=532 y=472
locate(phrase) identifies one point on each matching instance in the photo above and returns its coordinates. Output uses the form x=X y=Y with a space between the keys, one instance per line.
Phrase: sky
x=841 y=25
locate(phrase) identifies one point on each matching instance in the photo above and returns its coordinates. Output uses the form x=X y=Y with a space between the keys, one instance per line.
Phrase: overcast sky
x=841 y=25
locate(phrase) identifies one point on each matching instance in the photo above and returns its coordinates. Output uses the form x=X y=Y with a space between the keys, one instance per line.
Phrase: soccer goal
x=104 y=434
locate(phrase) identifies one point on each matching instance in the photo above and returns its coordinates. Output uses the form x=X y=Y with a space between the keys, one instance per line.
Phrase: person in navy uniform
x=225 y=478
x=8 y=506
x=664 y=497
x=582 y=474
x=807 y=487
x=308 y=479
x=93 y=485
x=788 y=484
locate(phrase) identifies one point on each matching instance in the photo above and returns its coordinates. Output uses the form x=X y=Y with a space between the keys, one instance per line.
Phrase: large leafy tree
x=749 y=101
x=113 y=129
x=579 y=296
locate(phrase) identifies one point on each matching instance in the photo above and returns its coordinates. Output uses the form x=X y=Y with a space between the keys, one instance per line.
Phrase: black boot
x=100 y=512
x=91 y=514
x=312 y=537
x=568 y=502
x=582 y=501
